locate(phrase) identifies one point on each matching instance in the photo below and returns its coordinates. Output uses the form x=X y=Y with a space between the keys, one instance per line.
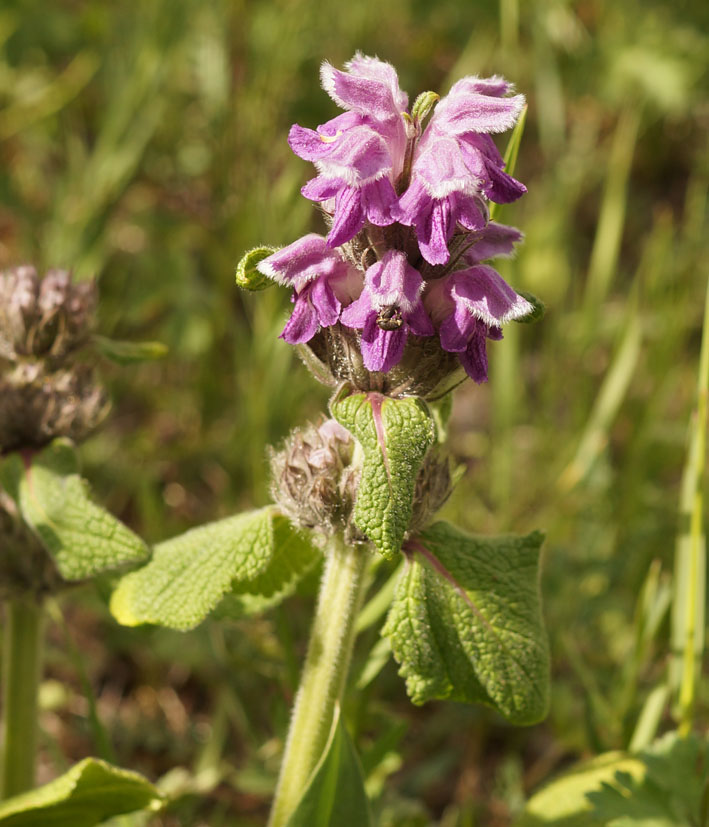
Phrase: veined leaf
x=83 y=538
x=91 y=792
x=395 y=435
x=258 y=553
x=466 y=622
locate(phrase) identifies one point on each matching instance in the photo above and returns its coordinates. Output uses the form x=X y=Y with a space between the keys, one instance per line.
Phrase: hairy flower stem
x=22 y=670
x=324 y=674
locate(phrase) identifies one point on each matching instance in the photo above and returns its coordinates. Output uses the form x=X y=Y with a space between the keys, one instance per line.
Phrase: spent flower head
x=45 y=392
x=396 y=298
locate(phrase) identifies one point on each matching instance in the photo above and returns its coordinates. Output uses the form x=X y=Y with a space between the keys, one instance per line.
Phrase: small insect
x=389 y=318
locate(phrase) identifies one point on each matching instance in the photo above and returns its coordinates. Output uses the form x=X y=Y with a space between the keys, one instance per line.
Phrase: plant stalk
x=324 y=674
x=22 y=671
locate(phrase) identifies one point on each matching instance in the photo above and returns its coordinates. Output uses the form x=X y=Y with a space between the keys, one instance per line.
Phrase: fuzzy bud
x=313 y=480
x=434 y=484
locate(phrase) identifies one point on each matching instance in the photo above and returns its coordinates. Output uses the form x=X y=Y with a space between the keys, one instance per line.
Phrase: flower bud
x=434 y=484
x=313 y=480
x=248 y=276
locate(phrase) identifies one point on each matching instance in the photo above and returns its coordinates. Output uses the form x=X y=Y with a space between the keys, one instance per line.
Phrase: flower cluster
x=408 y=221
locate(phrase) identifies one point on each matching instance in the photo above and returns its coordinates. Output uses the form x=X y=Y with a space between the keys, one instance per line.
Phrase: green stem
x=22 y=670
x=324 y=674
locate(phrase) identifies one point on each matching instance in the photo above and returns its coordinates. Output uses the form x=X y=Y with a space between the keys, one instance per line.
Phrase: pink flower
x=358 y=155
x=322 y=282
x=468 y=307
x=388 y=309
x=456 y=163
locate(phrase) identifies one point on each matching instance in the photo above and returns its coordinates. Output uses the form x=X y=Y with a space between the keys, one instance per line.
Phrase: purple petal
x=493 y=241
x=375 y=69
x=321 y=189
x=303 y=260
x=503 y=188
x=412 y=204
x=324 y=301
x=472 y=105
x=303 y=323
x=364 y=93
x=379 y=199
x=496 y=86
x=349 y=216
x=485 y=162
x=381 y=349
x=359 y=312
x=346 y=286
x=419 y=321
x=468 y=210
x=440 y=166
x=307 y=143
x=456 y=330
x=485 y=295
x=356 y=156
x=435 y=231
x=393 y=282
x=311 y=145
x=474 y=358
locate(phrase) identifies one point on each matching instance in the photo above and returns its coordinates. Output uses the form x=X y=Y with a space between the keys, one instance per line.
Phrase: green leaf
x=127 y=353
x=88 y=794
x=335 y=795
x=466 y=622
x=293 y=557
x=395 y=435
x=257 y=553
x=564 y=802
x=668 y=794
x=83 y=538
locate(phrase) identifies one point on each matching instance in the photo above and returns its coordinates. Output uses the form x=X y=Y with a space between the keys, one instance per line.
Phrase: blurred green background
x=145 y=144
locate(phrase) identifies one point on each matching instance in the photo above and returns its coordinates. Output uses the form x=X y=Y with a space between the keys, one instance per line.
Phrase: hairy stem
x=22 y=670
x=324 y=674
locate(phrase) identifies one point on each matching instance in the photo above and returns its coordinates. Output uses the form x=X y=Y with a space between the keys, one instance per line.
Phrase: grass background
x=145 y=144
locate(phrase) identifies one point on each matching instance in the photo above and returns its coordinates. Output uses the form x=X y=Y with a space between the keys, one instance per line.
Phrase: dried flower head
x=44 y=391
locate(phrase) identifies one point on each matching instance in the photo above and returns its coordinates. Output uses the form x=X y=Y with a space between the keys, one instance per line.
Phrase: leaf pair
x=466 y=622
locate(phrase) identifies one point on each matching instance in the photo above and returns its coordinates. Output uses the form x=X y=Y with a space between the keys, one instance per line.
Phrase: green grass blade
x=511 y=153
x=690 y=559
